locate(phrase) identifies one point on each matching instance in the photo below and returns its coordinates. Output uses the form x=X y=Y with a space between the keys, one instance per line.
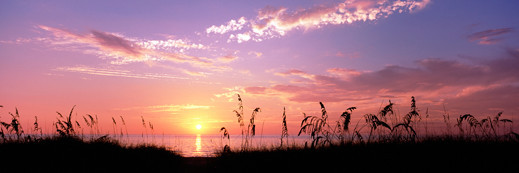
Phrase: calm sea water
x=207 y=145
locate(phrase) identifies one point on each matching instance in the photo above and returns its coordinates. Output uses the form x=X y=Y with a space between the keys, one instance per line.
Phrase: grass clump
x=431 y=154
x=67 y=151
x=247 y=135
x=393 y=144
x=73 y=154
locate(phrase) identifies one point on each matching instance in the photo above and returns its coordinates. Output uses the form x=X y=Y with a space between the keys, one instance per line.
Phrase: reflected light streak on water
x=207 y=145
x=198 y=144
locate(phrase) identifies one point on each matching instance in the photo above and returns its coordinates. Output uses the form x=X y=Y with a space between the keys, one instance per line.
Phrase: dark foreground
x=104 y=155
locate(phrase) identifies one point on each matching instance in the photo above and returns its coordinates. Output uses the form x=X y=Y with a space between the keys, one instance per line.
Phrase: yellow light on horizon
x=198 y=126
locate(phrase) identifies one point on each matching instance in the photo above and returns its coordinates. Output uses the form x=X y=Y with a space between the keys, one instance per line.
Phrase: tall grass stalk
x=284 y=129
x=145 y=129
x=125 y=128
x=64 y=125
x=247 y=136
x=225 y=134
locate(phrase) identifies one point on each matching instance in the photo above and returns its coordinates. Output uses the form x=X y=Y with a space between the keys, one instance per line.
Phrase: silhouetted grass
x=433 y=154
x=392 y=146
x=484 y=145
x=68 y=152
x=73 y=154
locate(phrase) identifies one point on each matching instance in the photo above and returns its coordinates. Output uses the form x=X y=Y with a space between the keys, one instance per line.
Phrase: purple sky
x=179 y=64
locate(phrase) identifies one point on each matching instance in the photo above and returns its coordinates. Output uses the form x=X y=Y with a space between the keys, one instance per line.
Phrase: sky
x=177 y=64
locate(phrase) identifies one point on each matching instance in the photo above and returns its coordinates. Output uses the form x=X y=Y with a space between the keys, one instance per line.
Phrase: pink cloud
x=491 y=100
x=278 y=21
x=255 y=90
x=434 y=81
x=489 y=36
x=257 y=54
x=352 y=55
x=227 y=58
x=197 y=74
x=109 y=43
x=113 y=43
x=344 y=73
x=295 y=72
x=125 y=50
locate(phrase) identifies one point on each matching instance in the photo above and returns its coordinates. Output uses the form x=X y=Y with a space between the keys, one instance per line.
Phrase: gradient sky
x=181 y=63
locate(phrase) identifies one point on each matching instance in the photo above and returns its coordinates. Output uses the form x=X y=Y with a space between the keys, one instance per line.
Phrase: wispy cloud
x=109 y=44
x=175 y=108
x=344 y=73
x=116 y=73
x=257 y=54
x=232 y=25
x=351 y=55
x=227 y=58
x=230 y=93
x=123 y=50
x=196 y=74
x=489 y=36
x=278 y=21
x=170 y=108
x=296 y=72
x=170 y=44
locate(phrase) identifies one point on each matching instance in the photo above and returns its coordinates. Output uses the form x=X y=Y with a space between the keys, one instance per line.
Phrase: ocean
x=208 y=145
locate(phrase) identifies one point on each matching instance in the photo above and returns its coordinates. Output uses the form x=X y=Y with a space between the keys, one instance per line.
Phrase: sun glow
x=198 y=126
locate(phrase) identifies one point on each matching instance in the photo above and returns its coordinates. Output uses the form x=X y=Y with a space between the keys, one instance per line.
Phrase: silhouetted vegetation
x=392 y=145
x=378 y=142
x=432 y=154
x=67 y=151
x=284 y=129
x=73 y=154
x=251 y=128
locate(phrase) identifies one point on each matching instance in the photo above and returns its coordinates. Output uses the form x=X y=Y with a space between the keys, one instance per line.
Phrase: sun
x=198 y=126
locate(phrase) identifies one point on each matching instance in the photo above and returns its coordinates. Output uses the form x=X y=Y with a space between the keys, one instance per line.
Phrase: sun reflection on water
x=198 y=143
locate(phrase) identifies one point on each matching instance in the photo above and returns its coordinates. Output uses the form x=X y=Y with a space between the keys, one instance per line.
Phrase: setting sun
x=288 y=84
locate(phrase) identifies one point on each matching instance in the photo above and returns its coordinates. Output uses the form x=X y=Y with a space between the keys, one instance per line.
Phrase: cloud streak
x=490 y=36
x=123 y=50
x=170 y=45
x=274 y=22
x=170 y=108
x=175 y=108
x=116 y=73
x=227 y=58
